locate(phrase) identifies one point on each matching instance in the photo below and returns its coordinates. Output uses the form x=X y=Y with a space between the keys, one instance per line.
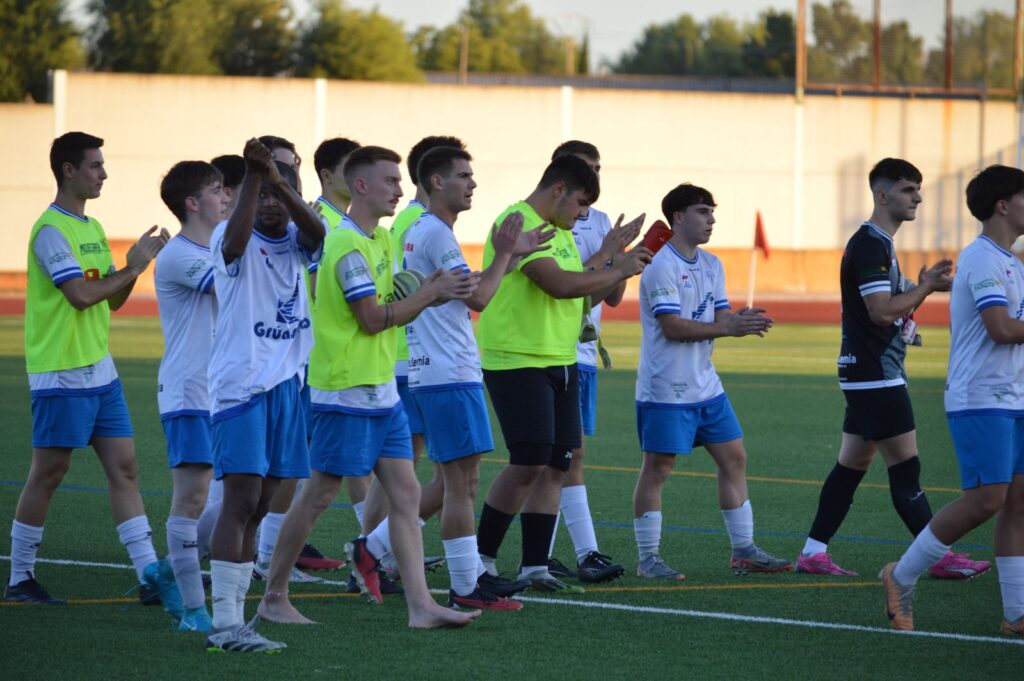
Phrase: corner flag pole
x=760 y=243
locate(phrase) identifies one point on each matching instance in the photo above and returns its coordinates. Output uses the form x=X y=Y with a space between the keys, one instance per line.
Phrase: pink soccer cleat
x=821 y=564
x=958 y=566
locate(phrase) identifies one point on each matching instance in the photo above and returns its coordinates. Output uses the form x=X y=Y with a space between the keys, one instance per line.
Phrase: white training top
x=362 y=400
x=183 y=273
x=443 y=353
x=53 y=254
x=589 y=233
x=263 y=335
x=678 y=373
x=984 y=375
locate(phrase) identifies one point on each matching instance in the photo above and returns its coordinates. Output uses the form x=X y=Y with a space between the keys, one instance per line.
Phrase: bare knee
x=656 y=469
x=47 y=475
x=124 y=473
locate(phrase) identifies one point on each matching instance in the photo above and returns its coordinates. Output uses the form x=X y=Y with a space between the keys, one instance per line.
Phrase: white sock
x=138 y=539
x=554 y=535
x=182 y=540
x=922 y=554
x=269 y=529
x=244 y=578
x=25 y=542
x=739 y=523
x=359 y=509
x=648 y=533
x=490 y=565
x=576 y=510
x=813 y=547
x=378 y=542
x=1011 y=584
x=463 y=563
x=225 y=576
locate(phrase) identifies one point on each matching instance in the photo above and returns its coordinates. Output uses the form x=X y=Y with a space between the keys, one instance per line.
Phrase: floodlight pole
x=949 y=46
x=1018 y=76
x=801 y=49
x=876 y=48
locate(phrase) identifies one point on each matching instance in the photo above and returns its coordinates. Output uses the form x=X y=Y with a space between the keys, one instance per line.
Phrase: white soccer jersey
x=589 y=233
x=982 y=374
x=263 y=335
x=673 y=372
x=443 y=352
x=183 y=274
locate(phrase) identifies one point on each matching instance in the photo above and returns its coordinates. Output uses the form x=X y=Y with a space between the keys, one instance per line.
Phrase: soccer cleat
x=597 y=567
x=499 y=586
x=481 y=600
x=196 y=619
x=311 y=559
x=365 y=569
x=899 y=600
x=653 y=567
x=542 y=580
x=30 y=591
x=1014 y=628
x=389 y=565
x=261 y=572
x=148 y=596
x=758 y=560
x=559 y=569
x=958 y=566
x=821 y=564
x=160 y=579
x=242 y=639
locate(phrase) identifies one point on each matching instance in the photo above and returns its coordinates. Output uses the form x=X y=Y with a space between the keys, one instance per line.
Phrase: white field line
x=677 y=612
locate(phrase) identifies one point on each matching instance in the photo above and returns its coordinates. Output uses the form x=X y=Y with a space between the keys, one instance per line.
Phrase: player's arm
x=115 y=288
x=243 y=218
x=1001 y=327
x=559 y=283
x=749 y=321
x=311 y=227
x=615 y=242
x=884 y=308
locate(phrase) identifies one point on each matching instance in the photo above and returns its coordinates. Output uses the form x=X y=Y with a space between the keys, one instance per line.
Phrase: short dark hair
x=894 y=170
x=274 y=142
x=575 y=173
x=993 y=184
x=577 y=148
x=330 y=152
x=367 y=156
x=684 y=196
x=425 y=145
x=439 y=161
x=232 y=167
x=70 y=148
x=185 y=179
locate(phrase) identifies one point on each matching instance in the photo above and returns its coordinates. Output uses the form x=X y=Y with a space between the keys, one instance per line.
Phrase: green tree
x=504 y=37
x=902 y=55
x=769 y=50
x=35 y=36
x=672 y=48
x=982 y=52
x=842 y=45
x=257 y=37
x=347 y=43
x=583 y=56
x=723 y=48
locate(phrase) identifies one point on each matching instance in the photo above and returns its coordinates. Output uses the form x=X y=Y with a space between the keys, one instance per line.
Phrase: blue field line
x=597 y=523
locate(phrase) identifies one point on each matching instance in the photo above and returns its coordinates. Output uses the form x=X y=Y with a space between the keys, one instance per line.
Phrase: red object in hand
x=657 y=236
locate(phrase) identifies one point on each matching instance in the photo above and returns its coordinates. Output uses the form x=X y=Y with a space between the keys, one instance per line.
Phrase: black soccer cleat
x=597 y=567
x=499 y=586
x=558 y=569
x=30 y=591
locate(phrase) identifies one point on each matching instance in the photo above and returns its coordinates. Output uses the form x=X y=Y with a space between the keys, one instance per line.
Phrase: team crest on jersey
x=699 y=312
x=266 y=258
x=286 y=308
x=195 y=268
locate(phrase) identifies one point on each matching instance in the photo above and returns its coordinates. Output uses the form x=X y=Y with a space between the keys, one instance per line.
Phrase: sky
x=614 y=25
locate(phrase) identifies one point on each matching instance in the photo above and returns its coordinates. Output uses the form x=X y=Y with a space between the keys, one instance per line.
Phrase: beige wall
x=741 y=146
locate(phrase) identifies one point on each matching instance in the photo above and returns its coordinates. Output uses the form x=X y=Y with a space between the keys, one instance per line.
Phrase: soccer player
x=680 y=403
x=232 y=168
x=877 y=303
x=183 y=273
x=984 y=403
x=596 y=243
x=76 y=395
x=261 y=344
x=284 y=151
x=359 y=423
x=528 y=334
x=444 y=363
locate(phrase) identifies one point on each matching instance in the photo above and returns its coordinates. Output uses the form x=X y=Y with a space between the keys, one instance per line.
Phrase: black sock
x=834 y=502
x=538 y=528
x=907 y=497
x=493 y=527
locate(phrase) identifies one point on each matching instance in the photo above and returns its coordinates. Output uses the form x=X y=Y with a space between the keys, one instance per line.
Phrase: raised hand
x=748 y=321
x=258 y=158
x=452 y=284
x=622 y=235
x=146 y=248
x=505 y=237
x=937 y=277
x=632 y=263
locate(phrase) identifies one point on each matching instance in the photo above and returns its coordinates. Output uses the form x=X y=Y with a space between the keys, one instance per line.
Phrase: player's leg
x=357 y=489
x=398 y=478
x=208 y=518
x=663 y=434
x=317 y=494
x=1010 y=555
x=191 y=483
x=48 y=467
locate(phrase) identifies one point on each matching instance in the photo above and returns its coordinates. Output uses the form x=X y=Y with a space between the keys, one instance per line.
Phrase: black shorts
x=539 y=413
x=878 y=413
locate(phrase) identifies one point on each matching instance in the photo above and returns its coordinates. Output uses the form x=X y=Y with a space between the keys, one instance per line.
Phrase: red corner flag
x=760 y=240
